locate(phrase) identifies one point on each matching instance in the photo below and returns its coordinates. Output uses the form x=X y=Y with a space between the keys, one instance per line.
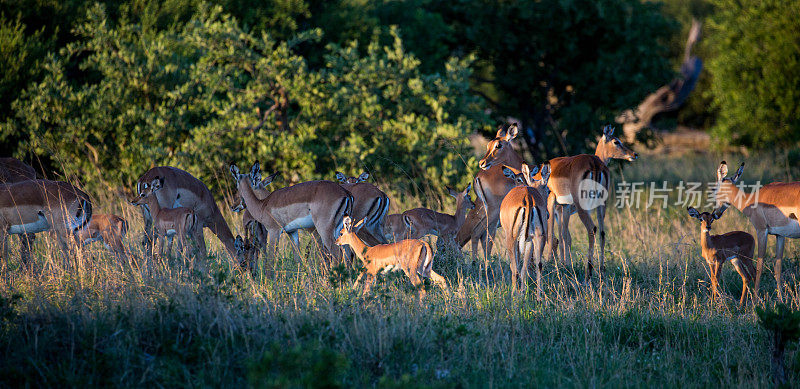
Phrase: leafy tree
x=210 y=93
x=756 y=71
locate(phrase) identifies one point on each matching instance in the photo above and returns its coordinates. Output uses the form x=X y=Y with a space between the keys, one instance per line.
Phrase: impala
x=397 y=227
x=422 y=221
x=413 y=256
x=108 y=229
x=168 y=222
x=181 y=189
x=255 y=232
x=369 y=204
x=772 y=210
x=571 y=178
x=523 y=214
x=33 y=206
x=716 y=249
x=321 y=205
x=13 y=170
x=491 y=186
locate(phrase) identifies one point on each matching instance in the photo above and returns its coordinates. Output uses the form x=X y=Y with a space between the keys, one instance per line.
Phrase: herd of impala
x=349 y=218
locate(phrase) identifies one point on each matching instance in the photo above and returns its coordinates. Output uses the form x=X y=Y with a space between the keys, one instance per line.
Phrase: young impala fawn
x=168 y=222
x=735 y=245
x=413 y=256
x=106 y=228
x=523 y=216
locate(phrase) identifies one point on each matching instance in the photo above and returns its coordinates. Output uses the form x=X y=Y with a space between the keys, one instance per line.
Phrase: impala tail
x=427 y=264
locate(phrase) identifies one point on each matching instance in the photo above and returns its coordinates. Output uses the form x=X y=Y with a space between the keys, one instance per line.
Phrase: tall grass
x=650 y=321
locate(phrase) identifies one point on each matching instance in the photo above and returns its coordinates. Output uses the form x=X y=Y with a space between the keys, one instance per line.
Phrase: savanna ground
x=650 y=322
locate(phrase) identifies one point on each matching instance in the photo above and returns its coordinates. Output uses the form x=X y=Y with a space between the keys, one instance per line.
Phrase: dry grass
x=649 y=322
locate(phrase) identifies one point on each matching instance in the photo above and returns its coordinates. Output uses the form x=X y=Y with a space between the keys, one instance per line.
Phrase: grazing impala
x=773 y=210
x=735 y=245
x=108 y=229
x=523 y=215
x=168 y=222
x=321 y=205
x=181 y=189
x=422 y=221
x=397 y=227
x=578 y=184
x=413 y=256
x=13 y=170
x=369 y=204
x=40 y=205
x=491 y=186
x=255 y=233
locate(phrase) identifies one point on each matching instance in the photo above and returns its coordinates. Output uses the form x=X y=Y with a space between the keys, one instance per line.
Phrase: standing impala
x=13 y=170
x=491 y=186
x=318 y=204
x=181 y=189
x=413 y=256
x=735 y=245
x=168 y=222
x=523 y=215
x=255 y=232
x=369 y=204
x=422 y=221
x=773 y=210
x=571 y=178
x=33 y=206
x=108 y=229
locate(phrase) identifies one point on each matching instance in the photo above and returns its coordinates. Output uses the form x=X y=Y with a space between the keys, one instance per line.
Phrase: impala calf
x=397 y=227
x=736 y=246
x=369 y=204
x=523 y=216
x=413 y=256
x=773 y=210
x=167 y=222
x=108 y=229
x=423 y=221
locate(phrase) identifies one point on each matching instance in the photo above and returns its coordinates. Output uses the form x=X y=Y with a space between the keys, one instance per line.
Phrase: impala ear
x=608 y=131
x=509 y=173
x=268 y=180
x=719 y=211
x=347 y=223
x=526 y=171
x=722 y=171
x=341 y=177
x=235 y=172
x=693 y=213
x=512 y=132
x=501 y=132
x=256 y=169
x=738 y=174
x=545 y=170
x=363 y=177
x=452 y=192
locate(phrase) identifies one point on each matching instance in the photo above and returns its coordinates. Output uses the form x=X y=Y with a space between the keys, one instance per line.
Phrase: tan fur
x=777 y=208
x=523 y=215
x=183 y=189
x=566 y=175
x=109 y=229
x=369 y=204
x=255 y=233
x=423 y=221
x=491 y=186
x=13 y=170
x=181 y=220
x=413 y=256
x=716 y=249
x=321 y=205
x=396 y=227
x=53 y=205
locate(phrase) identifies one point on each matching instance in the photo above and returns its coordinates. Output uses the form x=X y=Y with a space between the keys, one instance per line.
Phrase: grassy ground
x=95 y=321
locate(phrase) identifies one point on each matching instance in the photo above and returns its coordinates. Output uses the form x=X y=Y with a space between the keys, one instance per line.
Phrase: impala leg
x=27 y=243
x=199 y=240
x=526 y=260
x=715 y=268
x=439 y=280
x=565 y=212
x=745 y=269
x=601 y=226
x=272 y=249
x=295 y=242
x=4 y=243
x=591 y=230
x=538 y=252
x=149 y=238
x=551 y=211
x=762 y=250
x=780 y=242
x=513 y=254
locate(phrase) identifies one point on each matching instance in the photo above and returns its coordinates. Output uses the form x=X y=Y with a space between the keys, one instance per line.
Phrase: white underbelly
x=391 y=268
x=296 y=224
x=30 y=228
x=790 y=230
x=171 y=232
x=565 y=199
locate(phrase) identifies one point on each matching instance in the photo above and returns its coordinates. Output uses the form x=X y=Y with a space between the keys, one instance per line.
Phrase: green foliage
x=298 y=367
x=756 y=71
x=780 y=320
x=209 y=93
x=19 y=55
